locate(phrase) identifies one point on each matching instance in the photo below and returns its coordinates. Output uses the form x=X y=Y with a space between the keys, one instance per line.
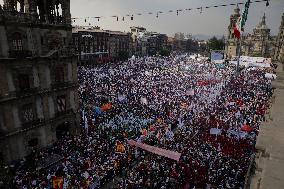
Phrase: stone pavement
x=269 y=172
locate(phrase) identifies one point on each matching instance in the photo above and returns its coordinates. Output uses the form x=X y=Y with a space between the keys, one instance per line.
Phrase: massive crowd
x=200 y=109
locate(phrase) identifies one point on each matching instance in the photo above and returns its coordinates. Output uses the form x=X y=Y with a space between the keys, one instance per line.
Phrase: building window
x=41 y=40
x=76 y=43
x=17 y=42
x=27 y=113
x=24 y=81
x=59 y=74
x=61 y=103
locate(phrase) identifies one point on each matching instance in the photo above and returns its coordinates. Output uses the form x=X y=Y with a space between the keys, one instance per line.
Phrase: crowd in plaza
x=197 y=108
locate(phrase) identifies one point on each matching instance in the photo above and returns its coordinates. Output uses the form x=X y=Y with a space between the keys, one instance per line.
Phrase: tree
x=192 y=46
x=123 y=55
x=216 y=44
x=165 y=52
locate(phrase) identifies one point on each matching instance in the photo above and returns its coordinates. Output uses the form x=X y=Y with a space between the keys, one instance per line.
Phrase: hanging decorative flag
x=120 y=148
x=57 y=182
x=106 y=107
x=144 y=132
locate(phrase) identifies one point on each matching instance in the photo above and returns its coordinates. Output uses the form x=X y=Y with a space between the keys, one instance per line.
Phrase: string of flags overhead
x=178 y=12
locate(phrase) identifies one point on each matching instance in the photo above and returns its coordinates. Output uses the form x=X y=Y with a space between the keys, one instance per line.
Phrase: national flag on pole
x=237 y=28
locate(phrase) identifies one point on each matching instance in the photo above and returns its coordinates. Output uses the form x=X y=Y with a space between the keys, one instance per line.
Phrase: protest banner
x=159 y=151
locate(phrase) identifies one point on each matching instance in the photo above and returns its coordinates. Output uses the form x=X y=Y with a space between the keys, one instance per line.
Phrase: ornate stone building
x=38 y=76
x=279 y=47
x=259 y=43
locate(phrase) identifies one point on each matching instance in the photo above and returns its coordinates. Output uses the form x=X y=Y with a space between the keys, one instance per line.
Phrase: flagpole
x=239 y=54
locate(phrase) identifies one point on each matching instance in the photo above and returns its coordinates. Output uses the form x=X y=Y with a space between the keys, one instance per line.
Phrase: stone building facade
x=94 y=45
x=279 y=47
x=38 y=76
x=147 y=43
x=259 y=43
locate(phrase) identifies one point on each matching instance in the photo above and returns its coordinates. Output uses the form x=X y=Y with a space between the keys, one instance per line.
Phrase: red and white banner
x=159 y=151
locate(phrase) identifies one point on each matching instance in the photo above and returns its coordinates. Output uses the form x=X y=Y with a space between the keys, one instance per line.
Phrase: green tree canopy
x=216 y=44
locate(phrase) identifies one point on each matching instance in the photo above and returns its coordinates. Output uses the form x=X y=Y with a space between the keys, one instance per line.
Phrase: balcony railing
x=21 y=17
x=32 y=124
x=62 y=114
x=20 y=54
x=27 y=92
x=60 y=85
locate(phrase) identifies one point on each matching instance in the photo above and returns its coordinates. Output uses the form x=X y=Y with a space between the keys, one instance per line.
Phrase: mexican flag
x=239 y=26
x=237 y=29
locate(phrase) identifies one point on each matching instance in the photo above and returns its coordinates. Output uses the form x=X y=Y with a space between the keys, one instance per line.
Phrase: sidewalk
x=269 y=173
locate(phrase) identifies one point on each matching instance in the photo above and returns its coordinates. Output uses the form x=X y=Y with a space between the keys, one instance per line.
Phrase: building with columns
x=38 y=76
x=279 y=47
x=259 y=43
x=95 y=45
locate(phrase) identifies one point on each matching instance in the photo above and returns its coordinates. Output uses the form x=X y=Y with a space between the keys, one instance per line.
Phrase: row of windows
x=17 y=42
x=28 y=112
x=24 y=80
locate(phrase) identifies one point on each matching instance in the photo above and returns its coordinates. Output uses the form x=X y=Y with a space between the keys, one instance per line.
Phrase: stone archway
x=34 y=142
x=62 y=130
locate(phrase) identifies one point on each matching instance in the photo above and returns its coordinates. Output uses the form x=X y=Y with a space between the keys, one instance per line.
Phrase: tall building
x=259 y=43
x=139 y=41
x=147 y=43
x=279 y=47
x=38 y=76
x=94 y=45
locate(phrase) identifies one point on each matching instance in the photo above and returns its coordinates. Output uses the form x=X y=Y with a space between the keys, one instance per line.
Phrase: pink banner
x=159 y=151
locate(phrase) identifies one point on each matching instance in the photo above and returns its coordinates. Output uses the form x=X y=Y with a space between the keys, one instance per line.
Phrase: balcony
x=7 y=96
x=61 y=85
x=63 y=114
x=27 y=92
x=21 y=17
x=20 y=54
x=32 y=124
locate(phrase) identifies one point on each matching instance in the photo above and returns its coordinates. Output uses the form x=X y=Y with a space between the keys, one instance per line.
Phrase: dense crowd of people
x=197 y=108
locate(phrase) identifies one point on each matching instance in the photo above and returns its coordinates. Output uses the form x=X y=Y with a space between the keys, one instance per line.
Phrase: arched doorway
x=33 y=142
x=62 y=130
